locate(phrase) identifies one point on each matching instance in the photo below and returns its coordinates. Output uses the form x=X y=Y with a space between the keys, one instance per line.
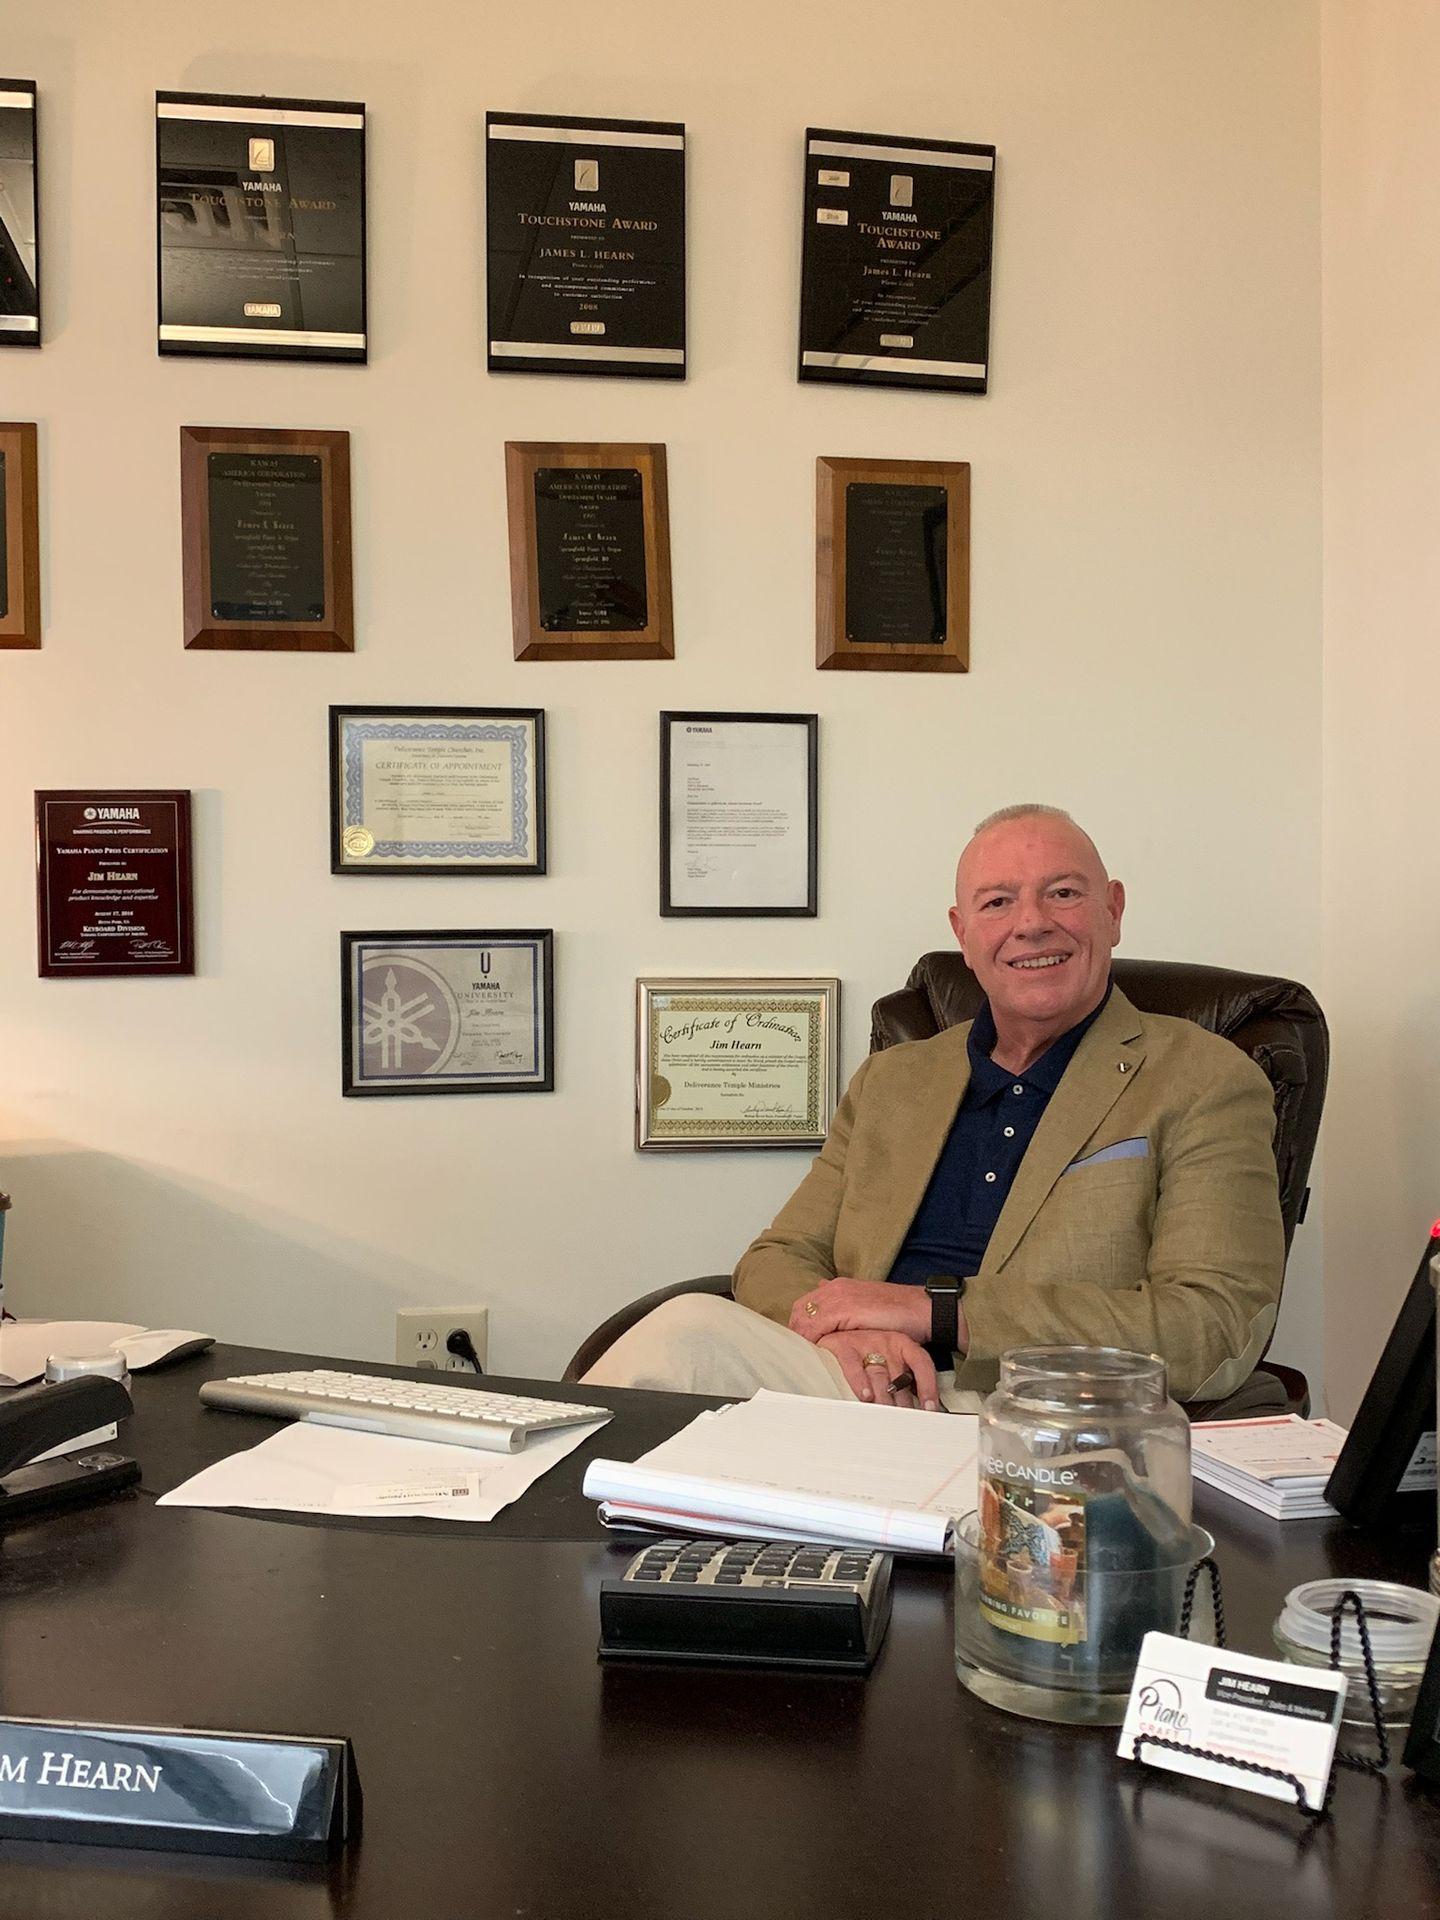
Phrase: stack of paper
x=785 y=1467
x=1281 y=1464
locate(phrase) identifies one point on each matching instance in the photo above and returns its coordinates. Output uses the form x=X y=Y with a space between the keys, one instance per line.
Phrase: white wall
x=1145 y=641
x=1382 y=666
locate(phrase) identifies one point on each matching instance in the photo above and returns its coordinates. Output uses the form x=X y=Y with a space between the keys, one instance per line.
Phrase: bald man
x=1061 y=1170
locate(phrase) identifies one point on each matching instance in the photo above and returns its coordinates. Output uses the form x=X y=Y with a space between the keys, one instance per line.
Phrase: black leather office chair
x=1277 y=1022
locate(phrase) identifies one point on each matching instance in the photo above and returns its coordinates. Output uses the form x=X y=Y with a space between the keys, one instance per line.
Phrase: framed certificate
x=437 y=790
x=260 y=219
x=892 y=570
x=586 y=245
x=265 y=517
x=895 y=271
x=19 y=535
x=113 y=882
x=735 y=1062
x=589 y=552
x=738 y=825
x=19 y=216
x=466 y=1012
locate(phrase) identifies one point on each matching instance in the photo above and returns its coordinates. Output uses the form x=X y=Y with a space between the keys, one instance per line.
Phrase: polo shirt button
x=1009 y=1133
x=989 y=1176
x=1017 y=1089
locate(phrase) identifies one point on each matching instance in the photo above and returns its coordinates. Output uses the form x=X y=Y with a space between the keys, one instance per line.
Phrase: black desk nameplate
x=268 y=1795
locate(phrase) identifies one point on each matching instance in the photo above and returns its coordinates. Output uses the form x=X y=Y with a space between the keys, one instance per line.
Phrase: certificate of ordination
x=733 y=1062
x=738 y=813
x=437 y=790
x=455 y=1012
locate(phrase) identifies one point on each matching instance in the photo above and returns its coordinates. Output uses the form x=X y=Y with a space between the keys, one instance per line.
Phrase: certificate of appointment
x=749 y=1063
x=437 y=790
x=738 y=833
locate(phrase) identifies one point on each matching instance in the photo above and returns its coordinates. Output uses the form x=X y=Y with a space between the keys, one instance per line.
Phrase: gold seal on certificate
x=437 y=790
x=457 y=1012
x=735 y=1062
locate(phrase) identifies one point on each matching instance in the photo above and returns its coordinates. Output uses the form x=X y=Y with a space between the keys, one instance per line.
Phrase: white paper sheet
x=309 y=1469
x=790 y=1466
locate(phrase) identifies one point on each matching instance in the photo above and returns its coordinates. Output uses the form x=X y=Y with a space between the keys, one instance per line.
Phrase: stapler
x=35 y=1419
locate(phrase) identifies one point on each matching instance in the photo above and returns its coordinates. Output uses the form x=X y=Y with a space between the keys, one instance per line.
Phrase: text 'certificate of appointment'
x=738 y=813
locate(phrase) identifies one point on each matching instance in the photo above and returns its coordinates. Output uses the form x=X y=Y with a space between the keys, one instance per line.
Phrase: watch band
x=945 y=1290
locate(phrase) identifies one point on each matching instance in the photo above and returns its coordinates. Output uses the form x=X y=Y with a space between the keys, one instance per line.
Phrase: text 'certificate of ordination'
x=738 y=813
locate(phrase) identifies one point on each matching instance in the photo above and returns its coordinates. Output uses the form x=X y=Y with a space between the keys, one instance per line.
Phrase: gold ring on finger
x=874 y=1360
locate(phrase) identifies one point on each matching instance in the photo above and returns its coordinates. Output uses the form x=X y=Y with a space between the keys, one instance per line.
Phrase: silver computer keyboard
x=409 y=1409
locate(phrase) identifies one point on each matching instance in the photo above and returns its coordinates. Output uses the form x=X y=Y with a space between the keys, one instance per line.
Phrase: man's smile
x=1031 y=962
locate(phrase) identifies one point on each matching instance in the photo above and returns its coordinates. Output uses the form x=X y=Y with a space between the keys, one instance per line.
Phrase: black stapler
x=35 y=1419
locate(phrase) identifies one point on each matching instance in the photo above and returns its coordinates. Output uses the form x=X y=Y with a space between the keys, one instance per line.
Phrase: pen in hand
x=905 y=1383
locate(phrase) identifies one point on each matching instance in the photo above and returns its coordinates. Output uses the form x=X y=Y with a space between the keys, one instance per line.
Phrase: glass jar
x=1401 y=1623
x=1083 y=1540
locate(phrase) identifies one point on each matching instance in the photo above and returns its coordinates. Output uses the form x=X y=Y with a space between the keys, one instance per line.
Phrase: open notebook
x=784 y=1467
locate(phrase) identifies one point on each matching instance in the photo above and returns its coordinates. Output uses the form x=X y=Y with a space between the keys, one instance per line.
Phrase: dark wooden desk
x=507 y=1774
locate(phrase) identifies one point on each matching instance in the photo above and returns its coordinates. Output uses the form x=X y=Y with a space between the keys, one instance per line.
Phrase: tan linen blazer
x=1174 y=1247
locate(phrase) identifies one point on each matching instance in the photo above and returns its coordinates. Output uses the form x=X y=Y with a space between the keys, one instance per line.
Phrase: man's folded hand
x=873 y=1360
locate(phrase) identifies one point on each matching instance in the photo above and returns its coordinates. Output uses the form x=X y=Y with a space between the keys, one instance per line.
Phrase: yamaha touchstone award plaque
x=113 y=883
x=261 y=208
x=892 y=577
x=266 y=531
x=589 y=552
x=895 y=279
x=586 y=230
x=19 y=217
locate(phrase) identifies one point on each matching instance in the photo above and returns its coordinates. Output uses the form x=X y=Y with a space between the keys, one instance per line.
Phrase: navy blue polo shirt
x=978 y=1163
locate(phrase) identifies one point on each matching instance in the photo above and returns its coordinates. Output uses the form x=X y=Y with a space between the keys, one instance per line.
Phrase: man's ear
x=958 y=930
x=1116 y=904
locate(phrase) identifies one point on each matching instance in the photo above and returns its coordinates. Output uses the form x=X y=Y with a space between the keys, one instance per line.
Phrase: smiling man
x=1060 y=1170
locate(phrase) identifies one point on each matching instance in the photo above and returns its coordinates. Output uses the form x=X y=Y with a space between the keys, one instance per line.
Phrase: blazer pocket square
x=1137 y=1149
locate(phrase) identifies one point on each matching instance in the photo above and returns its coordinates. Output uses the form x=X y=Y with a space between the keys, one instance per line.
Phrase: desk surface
x=506 y=1773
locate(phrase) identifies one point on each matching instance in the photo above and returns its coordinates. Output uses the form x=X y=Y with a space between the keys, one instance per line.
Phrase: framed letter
x=113 y=883
x=735 y=1063
x=19 y=535
x=266 y=521
x=895 y=272
x=437 y=790
x=260 y=215
x=589 y=552
x=468 y=1012
x=738 y=814
x=586 y=226
x=892 y=589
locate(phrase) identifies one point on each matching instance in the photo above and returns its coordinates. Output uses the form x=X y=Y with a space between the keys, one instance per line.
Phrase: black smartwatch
x=945 y=1292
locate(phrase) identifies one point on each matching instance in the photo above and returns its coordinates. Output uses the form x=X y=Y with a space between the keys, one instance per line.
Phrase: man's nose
x=1031 y=919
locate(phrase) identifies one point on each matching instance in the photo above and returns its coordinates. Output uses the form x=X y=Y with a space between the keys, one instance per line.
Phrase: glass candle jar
x=1083 y=1540
x=1401 y=1623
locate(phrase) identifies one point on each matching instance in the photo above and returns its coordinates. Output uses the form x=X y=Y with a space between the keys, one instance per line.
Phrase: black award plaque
x=586 y=245
x=895 y=275
x=19 y=217
x=893 y=565
x=113 y=883
x=261 y=227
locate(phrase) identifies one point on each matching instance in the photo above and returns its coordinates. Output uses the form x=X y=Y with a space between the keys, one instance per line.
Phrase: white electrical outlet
x=421 y=1334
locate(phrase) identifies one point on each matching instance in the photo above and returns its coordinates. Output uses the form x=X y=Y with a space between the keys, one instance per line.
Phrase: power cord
x=463 y=1347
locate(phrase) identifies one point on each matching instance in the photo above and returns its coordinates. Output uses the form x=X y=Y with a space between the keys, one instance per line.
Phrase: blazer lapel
x=914 y=1139
x=1109 y=1054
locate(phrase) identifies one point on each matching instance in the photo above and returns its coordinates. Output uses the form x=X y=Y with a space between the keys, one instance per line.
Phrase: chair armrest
x=605 y=1335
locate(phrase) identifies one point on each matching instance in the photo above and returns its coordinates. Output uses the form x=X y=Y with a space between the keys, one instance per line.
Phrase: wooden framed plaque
x=585 y=245
x=19 y=216
x=735 y=1062
x=260 y=226
x=738 y=815
x=437 y=790
x=895 y=271
x=19 y=535
x=113 y=882
x=589 y=551
x=459 y=1012
x=892 y=585
x=266 y=525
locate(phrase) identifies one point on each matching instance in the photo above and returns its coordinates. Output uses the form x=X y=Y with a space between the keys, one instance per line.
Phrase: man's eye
x=1067 y=893
x=997 y=902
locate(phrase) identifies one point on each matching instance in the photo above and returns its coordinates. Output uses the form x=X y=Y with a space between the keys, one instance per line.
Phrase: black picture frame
x=1422 y=1743
x=1397 y=1410
x=435 y=1078
x=21 y=314
x=670 y=907
x=533 y=797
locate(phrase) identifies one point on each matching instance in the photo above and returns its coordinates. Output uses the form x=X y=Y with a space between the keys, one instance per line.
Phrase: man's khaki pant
x=701 y=1343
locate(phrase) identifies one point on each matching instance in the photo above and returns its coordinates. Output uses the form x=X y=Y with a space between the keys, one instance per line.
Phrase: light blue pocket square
x=1137 y=1149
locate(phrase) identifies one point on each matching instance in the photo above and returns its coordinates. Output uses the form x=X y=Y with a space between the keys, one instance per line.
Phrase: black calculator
x=748 y=1603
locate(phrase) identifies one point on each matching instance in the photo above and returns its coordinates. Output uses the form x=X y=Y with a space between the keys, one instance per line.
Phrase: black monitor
x=1397 y=1412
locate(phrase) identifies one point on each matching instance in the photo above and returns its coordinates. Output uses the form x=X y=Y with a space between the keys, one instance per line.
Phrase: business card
x=1264 y=1712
